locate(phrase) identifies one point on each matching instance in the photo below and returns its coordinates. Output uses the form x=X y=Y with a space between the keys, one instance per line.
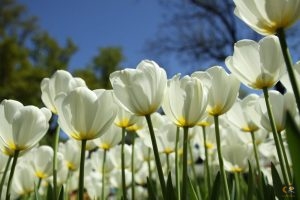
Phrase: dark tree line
x=202 y=33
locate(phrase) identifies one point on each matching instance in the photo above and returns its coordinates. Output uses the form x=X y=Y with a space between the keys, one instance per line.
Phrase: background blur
x=91 y=39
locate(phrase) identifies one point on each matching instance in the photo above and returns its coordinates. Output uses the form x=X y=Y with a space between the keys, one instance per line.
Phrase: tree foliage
x=103 y=64
x=29 y=54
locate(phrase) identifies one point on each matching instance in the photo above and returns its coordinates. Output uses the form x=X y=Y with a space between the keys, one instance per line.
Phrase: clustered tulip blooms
x=159 y=138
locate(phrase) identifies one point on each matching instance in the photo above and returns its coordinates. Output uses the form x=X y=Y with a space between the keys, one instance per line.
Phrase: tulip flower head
x=236 y=157
x=110 y=138
x=84 y=114
x=21 y=127
x=70 y=150
x=97 y=162
x=252 y=64
x=41 y=160
x=125 y=119
x=140 y=90
x=23 y=182
x=60 y=82
x=267 y=16
x=185 y=101
x=223 y=92
x=243 y=113
x=282 y=103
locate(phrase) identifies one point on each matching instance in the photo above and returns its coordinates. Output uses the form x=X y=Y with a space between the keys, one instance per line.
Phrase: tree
x=23 y=66
x=103 y=64
x=200 y=32
x=49 y=54
x=29 y=54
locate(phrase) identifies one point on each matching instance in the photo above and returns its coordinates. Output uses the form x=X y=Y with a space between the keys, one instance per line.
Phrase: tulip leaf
x=216 y=187
x=151 y=191
x=277 y=183
x=268 y=190
x=170 y=189
x=50 y=193
x=193 y=194
x=293 y=139
x=61 y=193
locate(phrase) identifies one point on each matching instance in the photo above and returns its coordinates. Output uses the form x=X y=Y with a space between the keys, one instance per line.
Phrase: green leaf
x=293 y=139
x=61 y=193
x=268 y=190
x=151 y=191
x=277 y=183
x=216 y=187
x=193 y=194
x=50 y=193
x=170 y=189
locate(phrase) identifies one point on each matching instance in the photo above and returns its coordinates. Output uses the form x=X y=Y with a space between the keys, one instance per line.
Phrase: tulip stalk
x=193 y=169
x=103 y=174
x=257 y=162
x=289 y=65
x=4 y=174
x=168 y=162
x=81 y=170
x=275 y=136
x=285 y=157
x=255 y=152
x=149 y=164
x=156 y=156
x=132 y=167
x=123 y=164
x=39 y=184
x=221 y=164
x=177 y=164
x=237 y=184
x=55 y=146
x=184 y=163
x=66 y=188
x=11 y=174
x=207 y=170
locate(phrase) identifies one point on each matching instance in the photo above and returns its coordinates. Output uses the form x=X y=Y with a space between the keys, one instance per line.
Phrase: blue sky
x=100 y=23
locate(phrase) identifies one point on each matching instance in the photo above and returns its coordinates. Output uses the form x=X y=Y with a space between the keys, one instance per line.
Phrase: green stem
x=123 y=164
x=255 y=152
x=289 y=65
x=193 y=169
x=81 y=171
x=177 y=164
x=132 y=169
x=156 y=156
x=149 y=164
x=168 y=163
x=207 y=170
x=11 y=174
x=4 y=174
x=55 y=146
x=237 y=184
x=275 y=136
x=39 y=184
x=221 y=164
x=66 y=189
x=257 y=164
x=103 y=174
x=285 y=157
x=184 y=163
